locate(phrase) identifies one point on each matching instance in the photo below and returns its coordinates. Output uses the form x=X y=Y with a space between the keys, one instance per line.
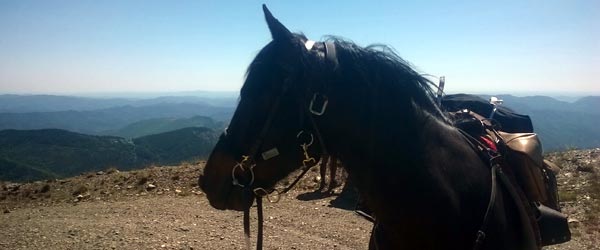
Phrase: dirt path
x=185 y=222
x=174 y=222
x=162 y=208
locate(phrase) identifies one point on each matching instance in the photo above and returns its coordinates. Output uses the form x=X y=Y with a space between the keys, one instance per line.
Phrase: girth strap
x=481 y=233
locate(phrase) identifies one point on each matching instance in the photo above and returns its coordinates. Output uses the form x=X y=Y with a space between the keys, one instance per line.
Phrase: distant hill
x=589 y=104
x=53 y=153
x=560 y=124
x=566 y=129
x=13 y=170
x=60 y=153
x=175 y=146
x=49 y=103
x=98 y=121
x=52 y=103
x=161 y=125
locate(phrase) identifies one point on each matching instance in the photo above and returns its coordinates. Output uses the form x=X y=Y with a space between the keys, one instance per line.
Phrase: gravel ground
x=162 y=208
x=177 y=222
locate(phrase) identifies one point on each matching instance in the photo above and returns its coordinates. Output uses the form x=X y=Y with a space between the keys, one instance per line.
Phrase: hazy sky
x=115 y=46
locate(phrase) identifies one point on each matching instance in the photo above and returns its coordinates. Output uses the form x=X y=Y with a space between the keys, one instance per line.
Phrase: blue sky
x=149 y=46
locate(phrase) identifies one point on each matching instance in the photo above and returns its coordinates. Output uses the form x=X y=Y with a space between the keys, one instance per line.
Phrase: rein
x=259 y=192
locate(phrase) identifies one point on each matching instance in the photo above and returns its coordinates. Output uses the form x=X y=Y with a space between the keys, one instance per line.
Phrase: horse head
x=272 y=132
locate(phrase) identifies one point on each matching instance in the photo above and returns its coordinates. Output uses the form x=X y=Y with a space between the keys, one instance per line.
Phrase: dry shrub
x=112 y=170
x=45 y=195
x=81 y=189
x=120 y=177
x=26 y=193
x=143 y=178
x=566 y=196
x=45 y=188
x=593 y=214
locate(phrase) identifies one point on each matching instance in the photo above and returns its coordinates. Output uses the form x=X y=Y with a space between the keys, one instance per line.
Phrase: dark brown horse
x=331 y=163
x=427 y=187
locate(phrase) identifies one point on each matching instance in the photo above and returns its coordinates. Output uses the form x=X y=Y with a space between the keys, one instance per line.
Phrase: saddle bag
x=524 y=157
x=537 y=178
x=535 y=175
x=554 y=227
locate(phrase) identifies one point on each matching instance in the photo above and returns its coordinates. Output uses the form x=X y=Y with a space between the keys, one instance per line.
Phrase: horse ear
x=278 y=31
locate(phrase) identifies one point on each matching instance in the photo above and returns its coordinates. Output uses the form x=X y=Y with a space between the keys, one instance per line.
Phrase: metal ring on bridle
x=261 y=192
x=235 y=181
x=312 y=138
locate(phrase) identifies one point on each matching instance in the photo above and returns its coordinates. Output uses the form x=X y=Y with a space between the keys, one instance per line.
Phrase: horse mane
x=381 y=66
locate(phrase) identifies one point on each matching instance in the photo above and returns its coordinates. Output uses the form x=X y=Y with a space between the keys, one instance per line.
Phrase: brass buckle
x=307 y=159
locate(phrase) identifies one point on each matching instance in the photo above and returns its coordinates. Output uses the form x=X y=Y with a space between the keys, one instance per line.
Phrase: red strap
x=488 y=142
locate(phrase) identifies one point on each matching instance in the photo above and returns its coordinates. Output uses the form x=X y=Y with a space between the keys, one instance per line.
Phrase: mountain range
x=164 y=124
x=98 y=122
x=53 y=153
x=561 y=124
x=43 y=136
x=10 y=103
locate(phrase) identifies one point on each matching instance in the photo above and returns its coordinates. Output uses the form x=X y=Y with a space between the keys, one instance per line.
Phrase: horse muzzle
x=217 y=183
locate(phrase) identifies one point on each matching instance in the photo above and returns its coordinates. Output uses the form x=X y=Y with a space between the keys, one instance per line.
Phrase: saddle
x=523 y=162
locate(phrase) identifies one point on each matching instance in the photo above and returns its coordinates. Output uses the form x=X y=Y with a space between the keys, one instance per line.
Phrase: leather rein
x=317 y=107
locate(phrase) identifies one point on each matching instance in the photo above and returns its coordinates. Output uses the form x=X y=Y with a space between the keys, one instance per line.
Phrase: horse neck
x=400 y=155
x=369 y=131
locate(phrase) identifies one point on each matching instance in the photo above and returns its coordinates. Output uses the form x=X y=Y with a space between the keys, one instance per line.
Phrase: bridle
x=316 y=107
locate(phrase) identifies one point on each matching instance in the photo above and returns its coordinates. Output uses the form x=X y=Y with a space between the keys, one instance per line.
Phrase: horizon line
x=199 y=91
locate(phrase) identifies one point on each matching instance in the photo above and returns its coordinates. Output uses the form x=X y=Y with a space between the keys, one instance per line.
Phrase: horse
x=425 y=184
x=331 y=163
